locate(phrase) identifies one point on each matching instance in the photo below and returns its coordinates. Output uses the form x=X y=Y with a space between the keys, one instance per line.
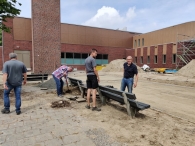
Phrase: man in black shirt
x=130 y=70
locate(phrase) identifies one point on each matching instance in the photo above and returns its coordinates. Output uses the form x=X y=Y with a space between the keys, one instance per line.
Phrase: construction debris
x=188 y=70
x=60 y=104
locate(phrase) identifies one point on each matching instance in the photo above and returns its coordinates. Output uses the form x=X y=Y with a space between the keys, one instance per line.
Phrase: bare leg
x=88 y=96
x=94 y=91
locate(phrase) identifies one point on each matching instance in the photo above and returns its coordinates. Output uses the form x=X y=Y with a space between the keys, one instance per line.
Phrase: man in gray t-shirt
x=92 y=79
x=13 y=71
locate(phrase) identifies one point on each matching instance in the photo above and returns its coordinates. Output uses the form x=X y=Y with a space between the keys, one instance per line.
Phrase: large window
x=174 y=58
x=142 y=41
x=164 y=59
x=135 y=44
x=155 y=59
x=79 y=58
x=141 y=59
x=138 y=42
x=148 y=60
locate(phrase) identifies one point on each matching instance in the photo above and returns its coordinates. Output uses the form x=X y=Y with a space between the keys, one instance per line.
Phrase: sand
x=188 y=70
x=117 y=66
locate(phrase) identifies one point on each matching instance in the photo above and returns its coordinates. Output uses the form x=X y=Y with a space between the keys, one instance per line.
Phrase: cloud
x=109 y=17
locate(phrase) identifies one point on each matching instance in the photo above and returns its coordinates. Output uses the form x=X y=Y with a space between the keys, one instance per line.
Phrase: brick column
x=46 y=43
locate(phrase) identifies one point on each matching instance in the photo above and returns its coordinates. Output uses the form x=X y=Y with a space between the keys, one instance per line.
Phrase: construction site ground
x=169 y=121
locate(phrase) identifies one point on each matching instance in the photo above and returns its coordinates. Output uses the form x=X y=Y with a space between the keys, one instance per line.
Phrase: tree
x=7 y=10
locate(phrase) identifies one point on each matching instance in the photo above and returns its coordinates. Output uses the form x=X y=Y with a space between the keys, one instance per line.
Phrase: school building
x=43 y=43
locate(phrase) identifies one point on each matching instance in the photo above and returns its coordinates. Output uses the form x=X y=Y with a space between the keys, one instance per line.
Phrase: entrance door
x=23 y=56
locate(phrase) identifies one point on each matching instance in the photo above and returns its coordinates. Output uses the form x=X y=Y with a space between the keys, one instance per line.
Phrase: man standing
x=92 y=79
x=130 y=70
x=13 y=71
x=62 y=71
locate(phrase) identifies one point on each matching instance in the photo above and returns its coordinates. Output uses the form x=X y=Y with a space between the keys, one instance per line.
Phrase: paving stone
x=22 y=129
x=16 y=124
x=43 y=137
x=38 y=116
x=37 y=125
x=33 y=132
x=71 y=139
x=30 y=122
x=26 y=141
x=14 y=137
x=10 y=143
x=47 y=129
x=85 y=142
x=39 y=144
x=53 y=123
x=3 y=126
x=2 y=139
x=43 y=120
x=59 y=132
x=54 y=142
x=7 y=131
x=8 y=121
x=71 y=144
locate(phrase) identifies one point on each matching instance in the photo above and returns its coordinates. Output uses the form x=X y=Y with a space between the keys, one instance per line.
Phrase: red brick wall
x=130 y=52
x=139 y=57
x=145 y=56
x=152 y=65
x=160 y=56
x=1 y=59
x=169 y=54
x=46 y=35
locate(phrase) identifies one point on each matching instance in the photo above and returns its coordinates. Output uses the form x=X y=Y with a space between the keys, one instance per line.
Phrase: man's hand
x=5 y=87
x=134 y=85
x=24 y=82
x=98 y=80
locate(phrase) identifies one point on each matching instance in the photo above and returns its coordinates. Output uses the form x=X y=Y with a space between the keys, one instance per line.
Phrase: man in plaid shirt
x=58 y=74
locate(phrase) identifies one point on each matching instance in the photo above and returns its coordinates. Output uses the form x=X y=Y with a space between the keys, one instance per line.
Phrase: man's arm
x=96 y=73
x=25 y=77
x=136 y=80
x=4 y=80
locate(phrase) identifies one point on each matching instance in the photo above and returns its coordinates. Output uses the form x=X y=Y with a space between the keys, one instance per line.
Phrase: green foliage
x=7 y=10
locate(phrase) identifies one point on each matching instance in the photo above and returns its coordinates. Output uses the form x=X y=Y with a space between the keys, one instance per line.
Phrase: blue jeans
x=17 y=91
x=59 y=85
x=127 y=83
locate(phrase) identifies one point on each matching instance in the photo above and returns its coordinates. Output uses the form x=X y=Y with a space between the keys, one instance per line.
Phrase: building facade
x=43 y=43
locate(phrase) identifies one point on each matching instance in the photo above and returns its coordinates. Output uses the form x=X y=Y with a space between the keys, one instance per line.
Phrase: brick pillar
x=145 y=55
x=160 y=56
x=152 y=48
x=46 y=41
x=139 y=57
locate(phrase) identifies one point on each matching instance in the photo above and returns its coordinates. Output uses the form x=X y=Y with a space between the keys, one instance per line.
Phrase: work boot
x=5 y=111
x=96 y=109
x=87 y=106
x=18 y=112
x=60 y=95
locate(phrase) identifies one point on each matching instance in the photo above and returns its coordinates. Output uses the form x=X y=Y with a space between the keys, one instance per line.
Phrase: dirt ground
x=169 y=121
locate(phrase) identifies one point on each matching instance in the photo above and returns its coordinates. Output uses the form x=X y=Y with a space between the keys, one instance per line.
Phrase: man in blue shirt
x=129 y=72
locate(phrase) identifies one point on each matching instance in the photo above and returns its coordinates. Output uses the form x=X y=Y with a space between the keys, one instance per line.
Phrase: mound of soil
x=60 y=104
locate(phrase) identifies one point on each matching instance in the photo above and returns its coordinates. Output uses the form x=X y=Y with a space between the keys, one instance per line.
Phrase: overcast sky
x=137 y=15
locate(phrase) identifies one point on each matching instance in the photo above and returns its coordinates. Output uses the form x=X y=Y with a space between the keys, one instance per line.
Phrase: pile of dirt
x=50 y=84
x=117 y=66
x=60 y=104
x=188 y=70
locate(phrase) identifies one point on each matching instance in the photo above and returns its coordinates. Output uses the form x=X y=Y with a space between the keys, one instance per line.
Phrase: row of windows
x=79 y=58
x=156 y=59
x=135 y=43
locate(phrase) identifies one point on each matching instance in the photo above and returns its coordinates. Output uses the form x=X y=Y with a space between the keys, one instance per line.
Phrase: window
x=155 y=59
x=135 y=44
x=141 y=59
x=105 y=56
x=62 y=55
x=69 y=55
x=77 y=55
x=84 y=56
x=164 y=59
x=142 y=41
x=174 y=58
x=99 y=56
x=148 y=61
x=135 y=59
x=139 y=43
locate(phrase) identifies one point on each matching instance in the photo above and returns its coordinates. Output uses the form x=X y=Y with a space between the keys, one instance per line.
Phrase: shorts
x=92 y=82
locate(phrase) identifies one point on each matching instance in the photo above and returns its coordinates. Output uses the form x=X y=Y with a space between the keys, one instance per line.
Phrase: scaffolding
x=185 y=50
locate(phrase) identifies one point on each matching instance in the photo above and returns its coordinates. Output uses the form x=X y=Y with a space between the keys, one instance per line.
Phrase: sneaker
x=5 y=111
x=96 y=109
x=18 y=112
x=60 y=96
x=87 y=106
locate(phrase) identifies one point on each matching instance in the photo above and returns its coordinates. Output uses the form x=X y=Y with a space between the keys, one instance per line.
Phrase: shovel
x=68 y=91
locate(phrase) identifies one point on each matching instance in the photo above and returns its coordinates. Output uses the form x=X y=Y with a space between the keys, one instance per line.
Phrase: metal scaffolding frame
x=185 y=50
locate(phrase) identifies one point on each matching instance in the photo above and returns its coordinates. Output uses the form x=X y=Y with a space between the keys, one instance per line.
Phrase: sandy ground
x=169 y=121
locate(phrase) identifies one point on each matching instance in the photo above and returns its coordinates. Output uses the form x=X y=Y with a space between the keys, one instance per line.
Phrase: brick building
x=43 y=42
